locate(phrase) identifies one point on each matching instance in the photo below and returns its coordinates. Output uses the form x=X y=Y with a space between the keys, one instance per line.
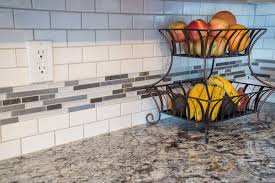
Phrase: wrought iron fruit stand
x=209 y=45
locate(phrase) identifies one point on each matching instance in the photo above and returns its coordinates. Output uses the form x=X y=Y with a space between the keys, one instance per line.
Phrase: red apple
x=197 y=24
x=217 y=24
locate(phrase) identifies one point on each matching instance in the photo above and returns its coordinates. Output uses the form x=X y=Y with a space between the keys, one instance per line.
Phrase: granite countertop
x=239 y=150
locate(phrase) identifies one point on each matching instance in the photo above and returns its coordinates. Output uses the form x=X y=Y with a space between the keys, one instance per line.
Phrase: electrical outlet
x=40 y=60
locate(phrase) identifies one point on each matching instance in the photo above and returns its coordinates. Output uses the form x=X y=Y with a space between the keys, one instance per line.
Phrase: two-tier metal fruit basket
x=207 y=45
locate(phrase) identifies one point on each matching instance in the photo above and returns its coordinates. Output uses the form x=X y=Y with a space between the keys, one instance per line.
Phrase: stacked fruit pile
x=225 y=22
x=219 y=95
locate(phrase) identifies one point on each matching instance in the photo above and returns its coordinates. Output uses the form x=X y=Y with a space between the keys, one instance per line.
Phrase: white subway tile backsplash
x=161 y=49
x=67 y=55
x=152 y=64
x=81 y=38
x=69 y=135
x=8 y=58
x=111 y=6
x=13 y=77
x=25 y=19
x=38 y=142
x=107 y=37
x=153 y=6
x=59 y=37
x=107 y=112
x=265 y=9
x=148 y=104
x=143 y=22
x=14 y=38
x=131 y=66
x=191 y=8
x=65 y=20
x=161 y=21
x=131 y=107
x=19 y=130
x=82 y=71
x=120 y=52
x=16 y=3
x=96 y=128
x=131 y=36
x=80 y=5
x=173 y=7
x=94 y=21
x=21 y=57
x=269 y=43
x=120 y=123
x=143 y=50
x=120 y=21
x=152 y=36
x=270 y=20
x=52 y=123
x=49 y=4
x=95 y=53
x=208 y=9
x=259 y=21
x=140 y=118
x=6 y=18
x=83 y=116
x=10 y=149
x=61 y=72
x=108 y=68
x=132 y=6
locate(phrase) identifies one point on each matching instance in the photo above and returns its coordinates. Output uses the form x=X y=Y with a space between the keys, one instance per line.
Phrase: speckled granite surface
x=239 y=151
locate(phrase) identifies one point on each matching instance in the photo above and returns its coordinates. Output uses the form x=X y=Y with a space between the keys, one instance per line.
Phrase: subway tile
x=38 y=142
x=132 y=6
x=19 y=130
x=81 y=107
x=10 y=149
x=46 y=97
x=71 y=83
x=54 y=107
x=94 y=21
x=131 y=66
x=108 y=6
x=82 y=116
x=96 y=128
x=24 y=19
x=191 y=8
x=131 y=107
x=11 y=101
x=14 y=38
x=16 y=3
x=152 y=36
x=53 y=123
x=269 y=21
x=14 y=77
x=161 y=21
x=153 y=6
x=107 y=37
x=143 y=50
x=117 y=91
x=9 y=121
x=64 y=99
x=144 y=73
x=120 y=52
x=114 y=82
x=80 y=5
x=12 y=108
x=108 y=68
x=131 y=36
x=61 y=72
x=161 y=50
x=106 y=112
x=127 y=85
x=88 y=70
x=21 y=57
x=120 y=123
x=120 y=21
x=81 y=38
x=30 y=99
x=6 y=18
x=173 y=7
x=8 y=57
x=140 y=118
x=67 y=55
x=59 y=37
x=65 y=20
x=28 y=111
x=95 y=53
x=208 y=8
x=121 y=76
x=143 y=22
x=95 y=100
x=113 y=96
x=86 y=86
x=69 y=135
x=148 y=104
x=32 y=93
x=6 y=90
x=49 y=4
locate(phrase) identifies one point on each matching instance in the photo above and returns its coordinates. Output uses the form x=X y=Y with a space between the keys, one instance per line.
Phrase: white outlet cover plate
x=40 y=61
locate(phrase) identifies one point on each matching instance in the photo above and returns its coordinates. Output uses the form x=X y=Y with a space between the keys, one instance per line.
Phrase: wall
x=104 y=52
